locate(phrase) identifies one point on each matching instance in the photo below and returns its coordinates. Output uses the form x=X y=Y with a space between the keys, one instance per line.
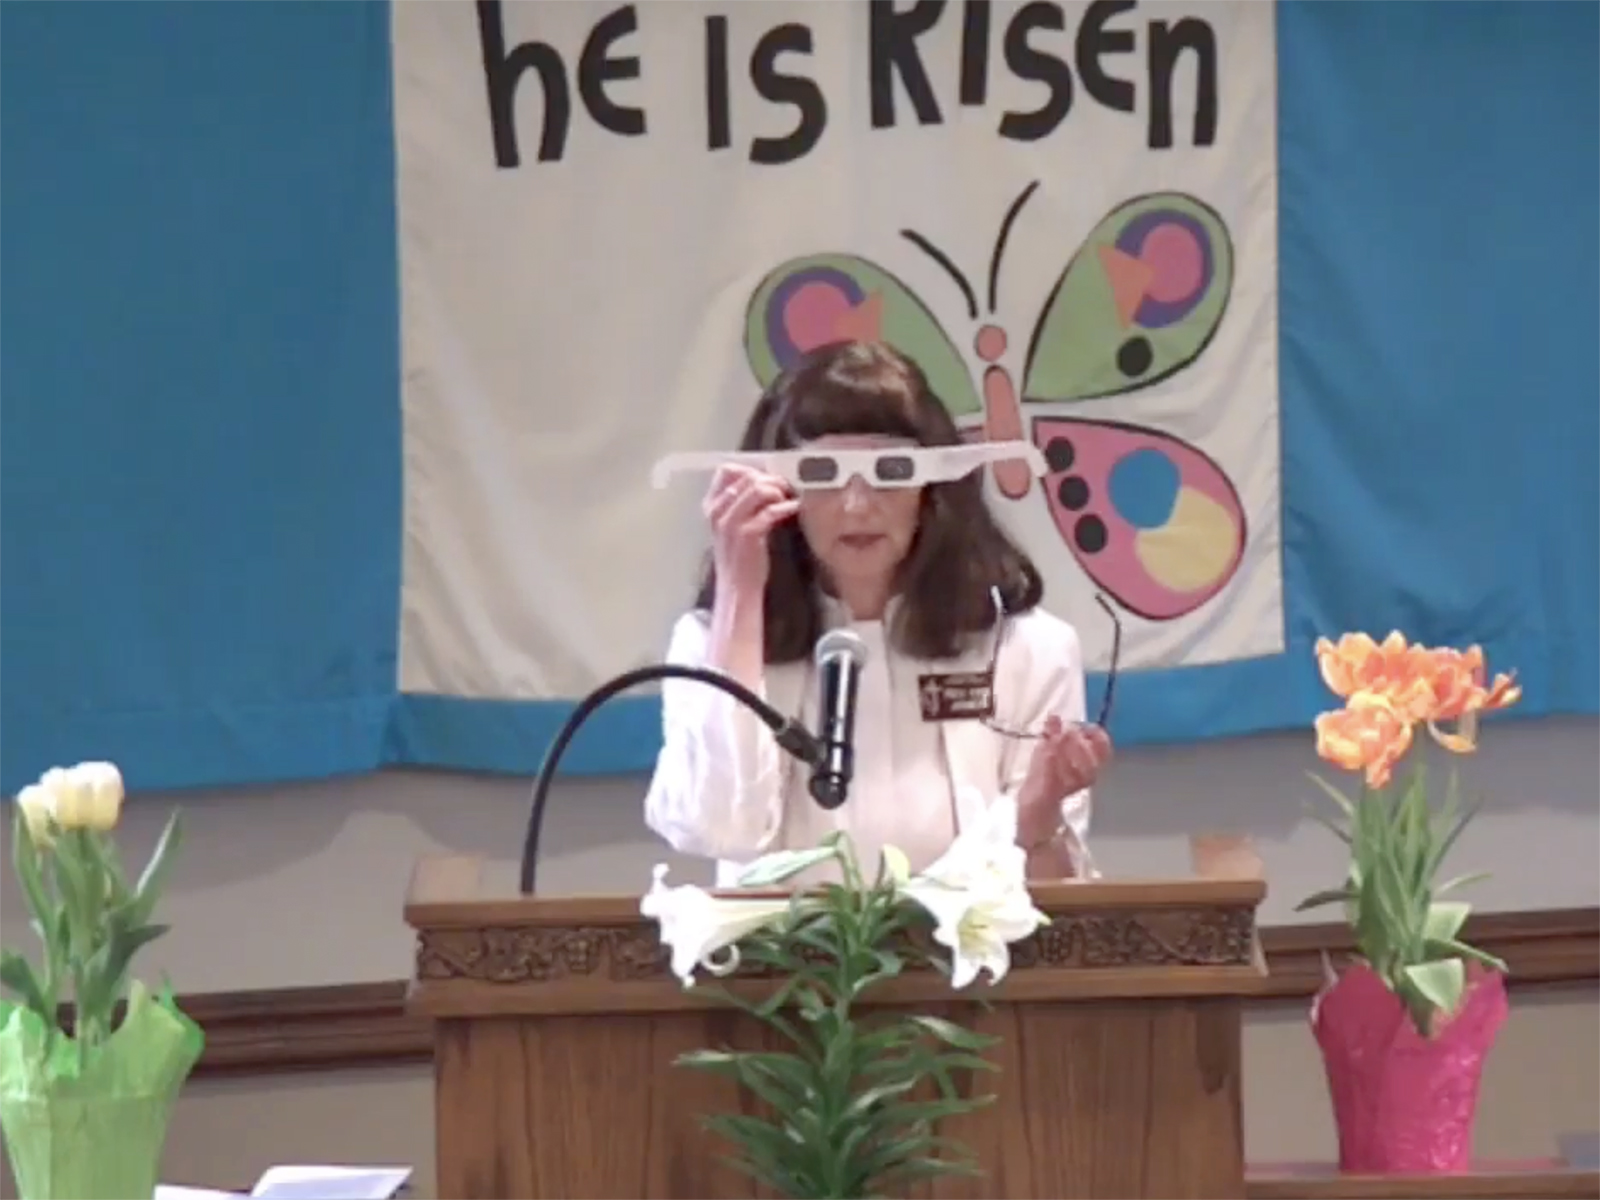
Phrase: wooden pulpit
x=556 y=1022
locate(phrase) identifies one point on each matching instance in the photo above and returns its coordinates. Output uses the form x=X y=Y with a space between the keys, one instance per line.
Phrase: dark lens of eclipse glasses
x=895 y=468
x=817 y=469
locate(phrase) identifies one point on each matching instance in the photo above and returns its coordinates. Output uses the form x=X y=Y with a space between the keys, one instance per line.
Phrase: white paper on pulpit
x=306 y=1183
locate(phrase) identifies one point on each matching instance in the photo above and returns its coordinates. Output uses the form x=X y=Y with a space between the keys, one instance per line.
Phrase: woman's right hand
x=743 y=506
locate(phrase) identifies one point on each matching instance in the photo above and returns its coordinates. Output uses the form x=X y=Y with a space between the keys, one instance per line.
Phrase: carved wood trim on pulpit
x=365 y=1024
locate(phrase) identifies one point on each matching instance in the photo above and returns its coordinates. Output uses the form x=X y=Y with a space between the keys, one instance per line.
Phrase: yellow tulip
x=38 y=807
x=87 y=796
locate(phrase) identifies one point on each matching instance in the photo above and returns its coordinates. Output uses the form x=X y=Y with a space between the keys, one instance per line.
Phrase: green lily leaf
x=767 y=1156
x=915 y=1170
x=845 y=1107
x=872 y=1097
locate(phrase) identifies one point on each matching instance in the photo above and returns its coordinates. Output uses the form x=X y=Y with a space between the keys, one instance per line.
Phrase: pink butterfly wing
x=1153 y=521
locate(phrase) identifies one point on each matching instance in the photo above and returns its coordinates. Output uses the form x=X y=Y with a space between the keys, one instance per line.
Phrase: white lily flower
x=977 y=894
x=702 y=930
x=978 y=927
x=896 y=866
x=985 y=857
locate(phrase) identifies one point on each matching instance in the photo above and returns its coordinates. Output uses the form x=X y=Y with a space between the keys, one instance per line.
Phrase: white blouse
x=723 y=789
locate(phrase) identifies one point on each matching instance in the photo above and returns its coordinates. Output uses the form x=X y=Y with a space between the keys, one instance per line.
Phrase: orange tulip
x=1356 y=663
x=1370 y=733
x=1458 y=685
x=1459 y=695
x=1426 y=684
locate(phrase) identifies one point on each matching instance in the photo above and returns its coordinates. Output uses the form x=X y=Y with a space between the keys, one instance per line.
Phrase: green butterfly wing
x=820 y=298
x=1139 y=301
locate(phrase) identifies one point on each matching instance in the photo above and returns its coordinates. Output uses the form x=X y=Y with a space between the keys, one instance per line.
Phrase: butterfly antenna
x=943 y=259
x=1000 y=243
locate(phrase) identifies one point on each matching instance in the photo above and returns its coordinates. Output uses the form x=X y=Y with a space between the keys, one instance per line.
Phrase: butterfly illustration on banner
x=1151 y=519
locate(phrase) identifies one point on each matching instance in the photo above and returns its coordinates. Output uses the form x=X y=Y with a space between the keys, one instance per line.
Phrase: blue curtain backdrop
x=199 y=458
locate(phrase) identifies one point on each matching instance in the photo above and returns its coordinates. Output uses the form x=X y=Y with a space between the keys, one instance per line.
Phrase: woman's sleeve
x=1047 y=670
x=718 y=784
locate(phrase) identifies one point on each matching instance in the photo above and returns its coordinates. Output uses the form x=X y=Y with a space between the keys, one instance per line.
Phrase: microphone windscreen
x=841 y=643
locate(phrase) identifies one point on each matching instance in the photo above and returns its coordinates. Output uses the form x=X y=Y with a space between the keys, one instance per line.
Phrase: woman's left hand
x=1067 y=759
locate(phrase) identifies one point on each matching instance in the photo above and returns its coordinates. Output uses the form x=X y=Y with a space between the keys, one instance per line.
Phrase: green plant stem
x=1405 y=930
x=843 y=1126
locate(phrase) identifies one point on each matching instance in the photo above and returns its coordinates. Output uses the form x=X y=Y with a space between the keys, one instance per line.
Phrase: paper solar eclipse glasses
x=889 y=467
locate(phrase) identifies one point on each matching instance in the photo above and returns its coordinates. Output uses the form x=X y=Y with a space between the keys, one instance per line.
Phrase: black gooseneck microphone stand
x=790 y=735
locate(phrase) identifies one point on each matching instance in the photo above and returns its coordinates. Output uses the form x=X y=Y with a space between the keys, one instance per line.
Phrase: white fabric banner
x=617 y=222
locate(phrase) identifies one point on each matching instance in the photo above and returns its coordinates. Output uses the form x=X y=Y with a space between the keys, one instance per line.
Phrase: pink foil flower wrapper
x=1404 y=1104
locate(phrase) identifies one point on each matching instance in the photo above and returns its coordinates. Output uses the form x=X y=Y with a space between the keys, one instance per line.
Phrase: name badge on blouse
x=961 y=696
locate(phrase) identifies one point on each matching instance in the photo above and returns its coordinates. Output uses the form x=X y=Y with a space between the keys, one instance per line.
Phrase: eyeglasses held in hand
x=890 y=467
x=1111 y=670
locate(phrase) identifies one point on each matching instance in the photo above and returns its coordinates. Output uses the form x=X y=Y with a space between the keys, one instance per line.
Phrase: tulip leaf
x=25 y=857
x=108 y=866
x=1334 y=896
x=1338 y=797
x=1404 y=927
x=1322 y=819
x=153 y=878
x=1440 y=983
x=105 y=972
x=1451 y=885
x=1445 y=919
x=1447 y=947
x=16 y=974
x=1449 y=839
x=77 y=895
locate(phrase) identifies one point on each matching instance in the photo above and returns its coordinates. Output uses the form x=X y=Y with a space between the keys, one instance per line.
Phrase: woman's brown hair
x=959 y=551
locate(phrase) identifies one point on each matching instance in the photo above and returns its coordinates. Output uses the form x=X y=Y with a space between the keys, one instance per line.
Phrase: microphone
x=791 y=736
x=840 y=655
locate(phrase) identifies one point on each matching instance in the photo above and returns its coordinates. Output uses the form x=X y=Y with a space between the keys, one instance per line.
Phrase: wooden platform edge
x=347 y=1025
x=1552 y=1182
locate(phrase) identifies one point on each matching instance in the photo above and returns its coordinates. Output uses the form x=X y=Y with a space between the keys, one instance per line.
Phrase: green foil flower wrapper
x=89 y=1122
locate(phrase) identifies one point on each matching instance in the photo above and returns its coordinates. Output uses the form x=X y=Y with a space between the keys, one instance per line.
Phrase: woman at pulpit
x=842 y=511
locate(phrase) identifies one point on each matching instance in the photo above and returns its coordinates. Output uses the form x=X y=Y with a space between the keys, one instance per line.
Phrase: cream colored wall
x=296 y=885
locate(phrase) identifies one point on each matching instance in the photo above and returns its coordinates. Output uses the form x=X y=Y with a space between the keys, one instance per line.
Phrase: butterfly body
x=1002 y=415
x=1152 y=520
